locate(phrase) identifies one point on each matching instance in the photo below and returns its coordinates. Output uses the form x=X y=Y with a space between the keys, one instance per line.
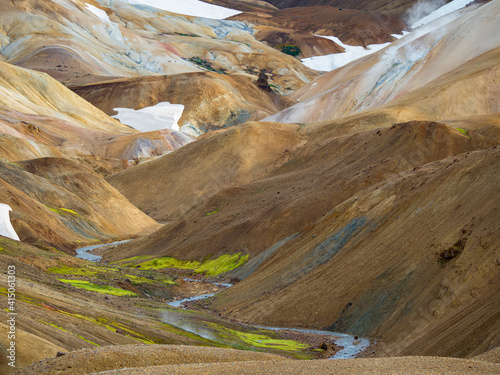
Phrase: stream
x=84 y=252
x=351 y=347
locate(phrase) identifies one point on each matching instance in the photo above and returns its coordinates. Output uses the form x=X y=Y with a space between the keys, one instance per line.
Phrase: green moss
x=105 y=289
x=264 y=341
x=56 y=326
x=222 y=264
x=463 y=131
x=168 y=262
x=64 y=270
x=211 y=213
x=125 y=262
x=289 y=49
x=213 y=267
x=84 y=339
x=62 y=210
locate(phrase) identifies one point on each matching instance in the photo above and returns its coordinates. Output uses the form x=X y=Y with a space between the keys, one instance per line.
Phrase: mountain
x=362 y=201
x=379 y=184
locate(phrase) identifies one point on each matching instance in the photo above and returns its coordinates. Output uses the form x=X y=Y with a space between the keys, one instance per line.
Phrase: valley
x=249 y=186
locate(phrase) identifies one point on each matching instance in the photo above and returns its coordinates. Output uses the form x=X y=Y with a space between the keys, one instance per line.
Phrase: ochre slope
x=412 y=260
x=210 y=100
x=37 y=93
x=215 y=162
x=62 y=203
x=432 y=59
x=308 y=182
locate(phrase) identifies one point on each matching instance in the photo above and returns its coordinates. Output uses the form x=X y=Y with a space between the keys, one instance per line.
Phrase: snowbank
x=194 y=8
x=6 y=228
x=99 y=13
x=336 y=60
x=158 y=117
x=443 y=11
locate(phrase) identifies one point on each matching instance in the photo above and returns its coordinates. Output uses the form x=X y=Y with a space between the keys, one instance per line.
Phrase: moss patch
x=61 y=210
x=263 y=341
x=213 y=267
x=222 y=264
x=64 y=270
x=105 y=289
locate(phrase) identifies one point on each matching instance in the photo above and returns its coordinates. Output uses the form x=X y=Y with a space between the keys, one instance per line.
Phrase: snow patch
x=99 y=13
x=6 y=228
x=442 y=11
x=158 y=117
x=399 y=36
x=336 y=60
x=194 y=8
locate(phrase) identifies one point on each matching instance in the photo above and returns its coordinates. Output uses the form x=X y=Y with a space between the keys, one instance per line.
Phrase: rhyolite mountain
x=362 y=200
x=377 y=174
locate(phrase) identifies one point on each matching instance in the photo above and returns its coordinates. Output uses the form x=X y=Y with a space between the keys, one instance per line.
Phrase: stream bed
x=84 y=252
x=351 y=345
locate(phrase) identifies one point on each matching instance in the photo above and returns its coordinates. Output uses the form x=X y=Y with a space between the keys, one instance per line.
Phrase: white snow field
x=336 y=60
x=442 y=11
x=194 y=8
x=6 y=228
x=99 y=13
x=158 y=117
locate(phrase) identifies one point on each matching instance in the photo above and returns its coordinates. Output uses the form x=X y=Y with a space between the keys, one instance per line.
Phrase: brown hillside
x=312 y=180
x=218 y=160
x=211 y=100
x=422 y=248
x=62 y=203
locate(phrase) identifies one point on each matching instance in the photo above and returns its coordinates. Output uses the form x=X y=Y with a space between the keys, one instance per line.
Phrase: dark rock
x=119 y=331
x=60 y=354
x=324 y=346
x=262 y=81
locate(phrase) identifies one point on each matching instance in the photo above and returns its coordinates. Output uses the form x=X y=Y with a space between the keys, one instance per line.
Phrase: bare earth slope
x=62 y=203
x=447 y=65
x=211 y=100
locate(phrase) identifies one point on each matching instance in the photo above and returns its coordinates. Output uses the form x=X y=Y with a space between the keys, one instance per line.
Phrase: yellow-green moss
x=213 y=267
x=62 y=210
x=105 y=289
x=264 y=341
x=65 y=270
x=222 y=264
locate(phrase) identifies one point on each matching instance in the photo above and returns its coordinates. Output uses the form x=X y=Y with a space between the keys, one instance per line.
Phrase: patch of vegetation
x=211 y=213
x=191 y=35
x=463 y=131
x=130 y=260
x=168 y=262
x=289 y=49
x=205 y=64
x=105 y=289
x=62 y=210
x=213 y=267
x=84 y=339
x=222 y=264
x=65 y=270
x=263 y=341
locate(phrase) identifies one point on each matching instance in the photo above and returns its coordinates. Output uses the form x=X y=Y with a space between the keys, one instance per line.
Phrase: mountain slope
x=436 y=57
x=60 y=203
x=211 y=100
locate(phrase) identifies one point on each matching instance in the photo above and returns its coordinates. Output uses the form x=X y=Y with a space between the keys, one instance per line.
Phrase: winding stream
x=83 y=252
x=351 y=346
